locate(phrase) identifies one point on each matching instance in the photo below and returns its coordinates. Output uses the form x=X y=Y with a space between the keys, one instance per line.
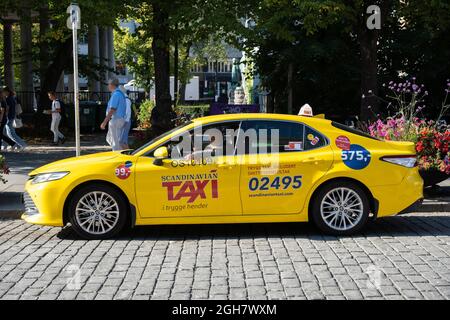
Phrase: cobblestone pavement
x=405 y=257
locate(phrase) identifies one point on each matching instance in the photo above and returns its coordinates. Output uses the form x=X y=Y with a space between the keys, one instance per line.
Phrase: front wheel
x=341 y=208
x=97 y=212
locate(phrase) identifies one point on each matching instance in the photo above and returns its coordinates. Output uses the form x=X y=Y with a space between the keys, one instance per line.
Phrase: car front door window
x=182 y=186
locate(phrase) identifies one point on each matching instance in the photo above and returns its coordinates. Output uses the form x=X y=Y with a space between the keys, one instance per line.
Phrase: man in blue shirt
x=115 y=115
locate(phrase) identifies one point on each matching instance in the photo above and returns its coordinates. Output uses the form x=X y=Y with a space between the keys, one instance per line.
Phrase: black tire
x=115 y=225
x=360 y=211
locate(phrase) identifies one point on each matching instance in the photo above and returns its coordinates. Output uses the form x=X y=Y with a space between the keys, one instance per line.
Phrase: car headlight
x=52 y=176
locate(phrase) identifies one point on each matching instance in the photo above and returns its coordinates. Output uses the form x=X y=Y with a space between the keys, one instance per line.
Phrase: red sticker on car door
x=123 y=171
x=342 y=142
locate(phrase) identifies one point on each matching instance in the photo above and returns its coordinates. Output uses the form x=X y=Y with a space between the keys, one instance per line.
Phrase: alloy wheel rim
x=97 y=212
x=341 y=209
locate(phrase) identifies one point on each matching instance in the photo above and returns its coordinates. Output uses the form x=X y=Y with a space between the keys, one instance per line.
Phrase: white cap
x=306 y=111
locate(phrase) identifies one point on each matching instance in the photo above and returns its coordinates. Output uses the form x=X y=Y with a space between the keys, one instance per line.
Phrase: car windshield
x=160 y=137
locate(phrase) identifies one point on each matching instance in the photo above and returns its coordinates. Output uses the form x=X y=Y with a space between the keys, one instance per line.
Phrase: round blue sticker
x=356 y=157
x=128 y=164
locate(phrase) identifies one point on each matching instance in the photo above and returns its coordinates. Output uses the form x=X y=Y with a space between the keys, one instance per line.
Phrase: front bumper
x=30 y=206
x=43 y=205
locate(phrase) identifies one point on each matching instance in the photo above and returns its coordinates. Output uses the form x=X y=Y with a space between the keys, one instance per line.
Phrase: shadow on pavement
x=404 y=226
x=24 y=162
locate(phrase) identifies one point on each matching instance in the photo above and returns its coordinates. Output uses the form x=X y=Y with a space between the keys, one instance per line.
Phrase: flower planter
x=432 y=177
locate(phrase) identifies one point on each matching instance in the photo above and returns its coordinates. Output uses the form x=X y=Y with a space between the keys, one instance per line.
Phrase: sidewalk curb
x=11 y=215
x=434 y=205
x=15 y=208
x=11 y=205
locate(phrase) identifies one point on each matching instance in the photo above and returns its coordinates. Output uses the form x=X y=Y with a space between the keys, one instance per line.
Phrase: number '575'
x=350 y=155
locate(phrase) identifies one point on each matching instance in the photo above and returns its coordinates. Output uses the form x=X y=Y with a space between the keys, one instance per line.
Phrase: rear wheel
x=97 y=212
x=341 y=208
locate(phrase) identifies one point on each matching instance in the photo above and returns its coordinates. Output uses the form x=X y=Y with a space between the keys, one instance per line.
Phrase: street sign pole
x=74 y=24
x=76 y=93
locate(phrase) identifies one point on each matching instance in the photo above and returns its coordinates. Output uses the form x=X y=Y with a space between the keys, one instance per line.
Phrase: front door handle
x=311 y=161
x=225 y=166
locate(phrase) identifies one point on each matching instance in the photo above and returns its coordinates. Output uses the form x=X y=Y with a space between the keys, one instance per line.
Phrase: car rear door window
x=264 y=136
x=313 y=139
x=292 y=137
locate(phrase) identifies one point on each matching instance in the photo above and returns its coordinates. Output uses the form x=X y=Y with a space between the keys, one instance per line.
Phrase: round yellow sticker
x=310 y=137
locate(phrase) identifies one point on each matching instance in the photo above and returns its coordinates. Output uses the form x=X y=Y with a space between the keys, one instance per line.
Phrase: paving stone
x=405 y=257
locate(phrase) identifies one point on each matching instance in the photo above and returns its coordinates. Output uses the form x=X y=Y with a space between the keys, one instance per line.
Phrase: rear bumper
x=413 y=207
x=400 y=198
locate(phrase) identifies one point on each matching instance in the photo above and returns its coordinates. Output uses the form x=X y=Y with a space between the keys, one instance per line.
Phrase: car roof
x=261 y=116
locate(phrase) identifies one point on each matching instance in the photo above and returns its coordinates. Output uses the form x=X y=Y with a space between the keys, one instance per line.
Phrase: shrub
x=4 y=170
x=183 y=113
x=432 y=138
x=144 y=114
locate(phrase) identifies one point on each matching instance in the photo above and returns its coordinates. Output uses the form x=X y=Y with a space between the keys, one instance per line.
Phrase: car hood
x=69 y=163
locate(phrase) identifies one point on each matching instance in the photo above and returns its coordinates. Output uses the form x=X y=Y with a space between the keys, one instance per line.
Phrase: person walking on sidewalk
x=127 y=126
x=115 y=115
x=10 y=130
x=56 y=119
x=3 y=120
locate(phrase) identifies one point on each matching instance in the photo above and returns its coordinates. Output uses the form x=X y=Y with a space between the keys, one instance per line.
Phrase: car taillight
x=404 y=161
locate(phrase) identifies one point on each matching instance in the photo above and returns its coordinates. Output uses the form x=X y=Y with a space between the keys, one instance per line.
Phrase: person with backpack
x=3 y=120
x=56 y=119
x=10 y=124
x=127 y=126
x=115 y=115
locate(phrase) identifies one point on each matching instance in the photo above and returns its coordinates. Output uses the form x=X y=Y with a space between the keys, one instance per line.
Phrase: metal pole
x=76 y=87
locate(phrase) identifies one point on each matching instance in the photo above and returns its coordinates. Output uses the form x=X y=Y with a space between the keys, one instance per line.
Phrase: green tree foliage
x=16 y=48
x=334 y=58
x=337 y=59
x=137 y=55
x=56 y=41
x=186 y=22
x=418 y=43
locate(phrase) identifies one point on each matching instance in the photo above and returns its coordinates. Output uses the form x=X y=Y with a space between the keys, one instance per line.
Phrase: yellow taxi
x=236 y=168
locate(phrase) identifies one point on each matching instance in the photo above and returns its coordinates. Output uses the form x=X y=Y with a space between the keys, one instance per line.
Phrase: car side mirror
x=160 y=154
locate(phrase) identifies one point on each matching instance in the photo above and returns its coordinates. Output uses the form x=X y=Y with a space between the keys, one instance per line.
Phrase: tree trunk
x=270 y=103
x=290 y=88
x=8 y=49
x=368 y=43
x=162 y=114
x=369 y=74
x=184 y=61
x=52 y=74
x=26 y=68
x=44 y=26
x=182 y=91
